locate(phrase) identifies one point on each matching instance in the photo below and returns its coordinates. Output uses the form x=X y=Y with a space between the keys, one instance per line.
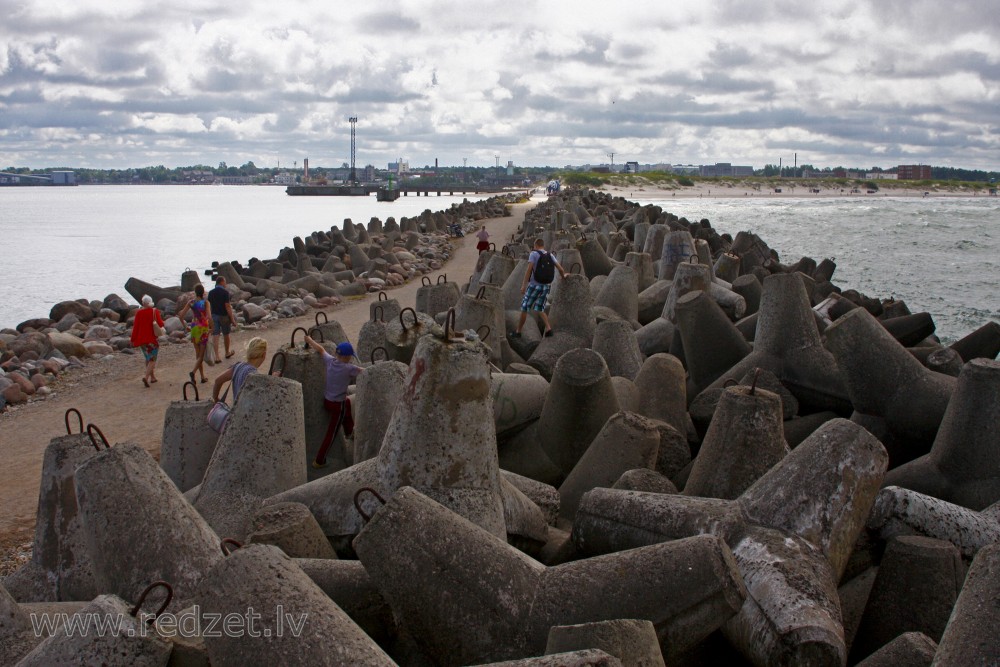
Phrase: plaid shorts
x=534 y=297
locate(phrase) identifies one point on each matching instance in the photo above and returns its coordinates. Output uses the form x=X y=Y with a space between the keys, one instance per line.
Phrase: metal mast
x=354 y=174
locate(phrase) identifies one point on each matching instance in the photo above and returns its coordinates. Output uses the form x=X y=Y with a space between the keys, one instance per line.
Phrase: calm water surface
x=937 y=254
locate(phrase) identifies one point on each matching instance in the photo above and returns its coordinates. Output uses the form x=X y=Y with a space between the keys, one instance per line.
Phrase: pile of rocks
x=718 y=458
x=315 y=273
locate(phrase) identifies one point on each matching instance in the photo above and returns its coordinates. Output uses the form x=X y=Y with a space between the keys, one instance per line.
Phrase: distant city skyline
x=842 y=83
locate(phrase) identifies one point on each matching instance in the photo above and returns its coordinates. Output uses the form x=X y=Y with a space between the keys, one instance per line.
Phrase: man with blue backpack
x=542 y=267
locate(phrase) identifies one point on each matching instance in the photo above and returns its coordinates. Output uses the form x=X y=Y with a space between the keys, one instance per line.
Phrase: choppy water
x=940 y=255
x=937 y=254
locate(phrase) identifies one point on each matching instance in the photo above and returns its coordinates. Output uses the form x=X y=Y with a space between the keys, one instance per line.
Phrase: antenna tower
x=354 y=174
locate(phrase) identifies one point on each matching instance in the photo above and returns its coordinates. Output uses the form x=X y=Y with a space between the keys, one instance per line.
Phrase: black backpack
x=545 y=268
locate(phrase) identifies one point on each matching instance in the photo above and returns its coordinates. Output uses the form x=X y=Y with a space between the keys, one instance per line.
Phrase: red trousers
x=340 y=415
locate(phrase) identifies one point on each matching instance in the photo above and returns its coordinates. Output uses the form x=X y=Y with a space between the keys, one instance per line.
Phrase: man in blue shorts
x=542 y=267
x=222 y=315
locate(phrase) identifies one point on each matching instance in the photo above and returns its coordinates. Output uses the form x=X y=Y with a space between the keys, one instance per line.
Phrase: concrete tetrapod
x=572 y=322
x=888 y=386
x=662 y=392
x=188 y=441
x=440 y=439
x=791 y=534
x=306 y=367
x=642 y=264
x=631 y=641
x=376 y=394
x=590 y=657
x=615 y=341
x=347 y=583
x=712 y=343
x=963 y=466
x=788 y=344
x=620 y=292
x=581 y=398
x=517 y=399
x=917 y=585
x=296 y=623
x=913 y=649
x=678 y=247
x=627 y=441
x=132 y=643
x=903 y=512
x=60 y=566
x=971 y=636
x=468 y=597
x=261 y=453
x=983 y=342
x=292 y=528
x=16 y=635
x=743 y=442
x=139 y=528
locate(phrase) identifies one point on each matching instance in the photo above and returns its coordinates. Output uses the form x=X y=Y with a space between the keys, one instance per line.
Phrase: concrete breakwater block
x=292 y=528
x=305 y=366
x=468 y=597
x=791 y=534
x=583 y=658
x=188 y=442
x=630 y=640
x=298 y=623
x=133 y=643
x=60 y=567
x=376 y=395
x=260 y=454
x=347 y=583
x=914 y=649
x=17 y=637
x=963 y=465
x=139 y=528
x=971 y=636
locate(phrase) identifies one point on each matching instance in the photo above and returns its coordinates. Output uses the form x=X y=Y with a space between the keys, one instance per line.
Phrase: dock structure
x=404 y=191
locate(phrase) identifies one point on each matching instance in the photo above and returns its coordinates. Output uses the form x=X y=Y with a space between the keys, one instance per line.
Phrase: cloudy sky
x=861 y=83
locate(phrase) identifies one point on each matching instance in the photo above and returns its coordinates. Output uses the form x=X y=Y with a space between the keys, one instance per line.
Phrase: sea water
x=939 y=254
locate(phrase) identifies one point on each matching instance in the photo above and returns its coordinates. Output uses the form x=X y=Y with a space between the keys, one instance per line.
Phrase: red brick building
x=913 y=172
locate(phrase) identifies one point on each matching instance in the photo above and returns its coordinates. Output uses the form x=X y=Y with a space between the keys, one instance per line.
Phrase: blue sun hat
x=345 y=350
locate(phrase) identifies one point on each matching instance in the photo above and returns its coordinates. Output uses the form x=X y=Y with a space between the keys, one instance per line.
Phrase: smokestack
x=305 y=169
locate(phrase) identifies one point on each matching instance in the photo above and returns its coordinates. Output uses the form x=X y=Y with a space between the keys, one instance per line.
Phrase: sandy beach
x=799 y=188
x=110 y=394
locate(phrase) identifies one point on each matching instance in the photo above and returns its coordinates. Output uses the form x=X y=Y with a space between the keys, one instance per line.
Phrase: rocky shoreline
x=337 y=264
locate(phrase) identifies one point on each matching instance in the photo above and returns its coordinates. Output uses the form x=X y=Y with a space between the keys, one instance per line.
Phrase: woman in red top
x=143 y=336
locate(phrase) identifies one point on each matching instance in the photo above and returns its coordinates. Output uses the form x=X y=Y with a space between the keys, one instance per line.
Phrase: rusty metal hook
x=481 y=293
x=493 y=247
x=443 y=278
x=90 y=431
x=226 y=541
x=357 y=505
x=574 y=265
x=142 y=598
x=325 y=318
x=692 y=259
x=284 y=361
x=734 y=382
x=415 y=320
x=753 y=385
x=449 y=323
x=295 y=331
x=380 y=311
x=66 y=420
x=426 y=281
x=376 y=349
x=184 y=389
x=382 y=296
x=488 y=331
x=322 y=338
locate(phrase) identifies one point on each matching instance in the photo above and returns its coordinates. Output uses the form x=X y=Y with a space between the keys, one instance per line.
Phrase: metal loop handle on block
x=227 y=542
x=357 y=505
x=384 y=351
x=66 y=420
x=493 y=247
x=449 y=323
x=284 y=360
x=322 y=338
x=442 y=279
x=380 y=311
x=184 y=390
x=415 y=320
x=325 y=318
x=426 y=281
x=574 y=265
x=90 y=431
x=382 y=296
x=731 y=382
x=693 y=259
x=142 y=598
x=295 y=331
x=753 y=385
x=488 y=331
x=481 y=294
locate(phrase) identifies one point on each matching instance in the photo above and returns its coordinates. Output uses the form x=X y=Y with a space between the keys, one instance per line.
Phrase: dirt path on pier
x=110 y=394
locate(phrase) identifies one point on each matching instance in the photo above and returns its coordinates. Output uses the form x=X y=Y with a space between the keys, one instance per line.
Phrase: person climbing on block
x=340 y=374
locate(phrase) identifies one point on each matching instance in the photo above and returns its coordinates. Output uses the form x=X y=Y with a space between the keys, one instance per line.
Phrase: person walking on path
x=484 y=239
x=201 y=327
x=222 y=316
x=542 y=267
x=340 y=373
x=241 y=370
x=143 y=336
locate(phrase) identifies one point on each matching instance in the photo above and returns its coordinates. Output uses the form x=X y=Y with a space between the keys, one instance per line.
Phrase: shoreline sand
x=795 y=189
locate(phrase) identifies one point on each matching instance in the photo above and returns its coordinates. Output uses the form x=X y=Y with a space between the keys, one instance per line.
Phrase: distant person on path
x=542 y=267
x=201 y=328
x=222 y=316
x=144 y=337
x=241 y=370
x=340 y=373
x=484 y=239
